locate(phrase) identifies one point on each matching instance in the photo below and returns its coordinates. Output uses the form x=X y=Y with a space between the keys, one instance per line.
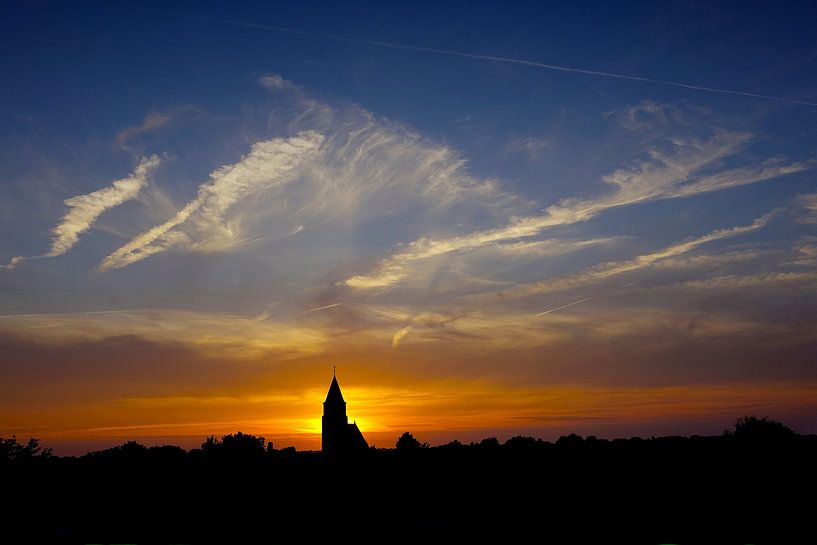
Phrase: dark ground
x=725 y=489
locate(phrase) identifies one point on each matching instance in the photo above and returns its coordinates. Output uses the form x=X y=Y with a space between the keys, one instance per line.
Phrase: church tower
x=335 y=420
x=337 y=435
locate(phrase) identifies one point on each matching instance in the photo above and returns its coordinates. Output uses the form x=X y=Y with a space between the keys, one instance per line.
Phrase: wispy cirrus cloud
x=274 y=82
x=13 y=262
x=269 y=162
x=151 y=122
x=790 y=279
x=681 y=169
x=726 y=179
x=396 y=269
x=399 y=336
x=352 y=170
x=696 y=285
x=498 y=331
x=373 y=167
x=237 y=335
x=607 y=270
x=808 y=203
x=83 y=210
x=644 y=115
x=533 y=147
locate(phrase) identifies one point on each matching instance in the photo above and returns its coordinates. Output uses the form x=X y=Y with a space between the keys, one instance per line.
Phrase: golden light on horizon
x=443 y=411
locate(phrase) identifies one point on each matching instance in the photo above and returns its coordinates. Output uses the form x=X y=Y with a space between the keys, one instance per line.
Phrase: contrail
x=322 y=308
x=561 y=307
x=493 y=58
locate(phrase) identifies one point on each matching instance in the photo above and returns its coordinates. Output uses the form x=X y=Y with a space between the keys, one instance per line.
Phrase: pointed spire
x=334 y=395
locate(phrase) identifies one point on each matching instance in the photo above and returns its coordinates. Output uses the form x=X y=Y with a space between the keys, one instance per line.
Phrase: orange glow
x=441 y=411
x=97 y=380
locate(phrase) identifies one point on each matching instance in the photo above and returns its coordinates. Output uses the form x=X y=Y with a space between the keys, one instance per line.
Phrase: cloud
x=679 y=170
x=274 y=82
x=644 y=115
x=665 y=174
x=233 y=335
x=765 y=279
x=808 y=203
x=269 y=162
x=85 y=209
x=530 y=146
x=362 y=172
x=806 y=254
x=396 y=268
x=613 y=268
x=740 y=292
x=767 y=170
x=607 y=270
x=151 y=122
x=701 y=262
x=485 y=334
x=13 y=262
x=316 y=207
x=549 y=247
x=372 y=167
x=399 y=336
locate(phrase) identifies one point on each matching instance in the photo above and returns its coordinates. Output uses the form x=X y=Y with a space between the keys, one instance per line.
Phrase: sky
x=494 y=218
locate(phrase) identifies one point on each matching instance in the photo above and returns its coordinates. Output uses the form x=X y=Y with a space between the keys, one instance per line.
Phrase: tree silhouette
x=11 y=450
x=130 y=451
x=523 y=443
x=237 y=444
x=570 y=441
x=749 y=481
x=489 y=442
x=210 y=444
x=408 y=442
x=132 y=448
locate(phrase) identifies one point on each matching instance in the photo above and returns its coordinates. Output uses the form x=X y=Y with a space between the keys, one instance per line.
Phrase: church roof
x=334 y=395
x=354 y=438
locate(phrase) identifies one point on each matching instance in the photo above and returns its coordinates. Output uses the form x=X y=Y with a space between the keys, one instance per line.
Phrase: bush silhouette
x=761 y=429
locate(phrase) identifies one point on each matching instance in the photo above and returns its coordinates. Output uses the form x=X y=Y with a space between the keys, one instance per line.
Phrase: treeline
x=750 y=430
x=752 y=484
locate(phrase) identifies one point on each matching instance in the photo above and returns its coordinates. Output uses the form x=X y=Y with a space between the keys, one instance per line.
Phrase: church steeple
x=337 y=434
x=334 y=396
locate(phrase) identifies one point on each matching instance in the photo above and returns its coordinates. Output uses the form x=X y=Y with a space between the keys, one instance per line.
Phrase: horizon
x=377 y=440
x=594 y=219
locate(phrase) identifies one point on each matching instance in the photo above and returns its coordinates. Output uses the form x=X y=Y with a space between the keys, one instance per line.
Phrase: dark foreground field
x=725 y=489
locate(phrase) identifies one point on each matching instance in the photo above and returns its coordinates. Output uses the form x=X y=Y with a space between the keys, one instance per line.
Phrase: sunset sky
x=494 y=220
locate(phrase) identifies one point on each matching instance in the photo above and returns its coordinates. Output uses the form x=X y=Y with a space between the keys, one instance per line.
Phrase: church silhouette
x=338 y=435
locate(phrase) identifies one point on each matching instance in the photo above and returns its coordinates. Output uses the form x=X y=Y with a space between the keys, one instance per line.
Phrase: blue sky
x=468 y=197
